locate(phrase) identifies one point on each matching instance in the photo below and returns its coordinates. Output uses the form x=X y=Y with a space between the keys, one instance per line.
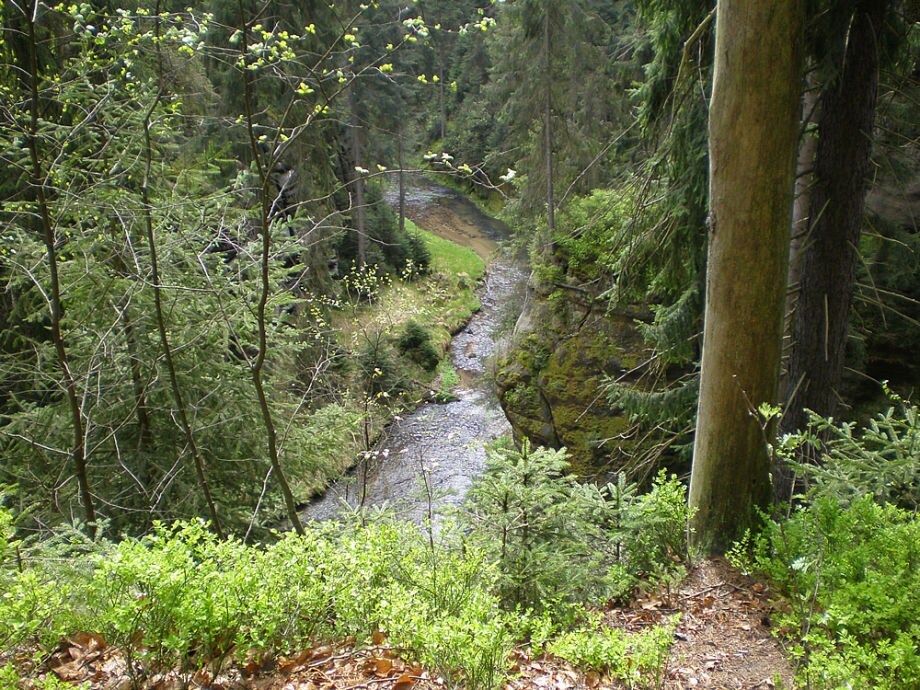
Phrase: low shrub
x=182 y=598
x=415 y=342
x=558 y=543
x=639 y=660
x=848 y=557
x=852 y=576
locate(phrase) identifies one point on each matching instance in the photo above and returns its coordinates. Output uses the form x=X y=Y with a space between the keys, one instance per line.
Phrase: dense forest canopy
x=193 y=204
x=215 y=301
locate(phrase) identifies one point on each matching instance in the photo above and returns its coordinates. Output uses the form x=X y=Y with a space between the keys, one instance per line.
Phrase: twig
x=710 y=588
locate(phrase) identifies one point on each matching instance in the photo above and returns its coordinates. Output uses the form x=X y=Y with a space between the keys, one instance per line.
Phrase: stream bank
x=430 y=457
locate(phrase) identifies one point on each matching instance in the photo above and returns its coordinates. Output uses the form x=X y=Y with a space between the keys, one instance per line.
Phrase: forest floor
x=723 y=640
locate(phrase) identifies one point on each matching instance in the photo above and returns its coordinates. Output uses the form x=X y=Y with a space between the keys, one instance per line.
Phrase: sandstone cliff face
x=550 y=378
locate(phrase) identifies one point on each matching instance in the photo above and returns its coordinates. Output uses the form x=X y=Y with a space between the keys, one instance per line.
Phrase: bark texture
x=753 y=130
x=831 y=247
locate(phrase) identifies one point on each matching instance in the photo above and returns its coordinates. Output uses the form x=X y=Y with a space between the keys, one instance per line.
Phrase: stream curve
x=429 y=458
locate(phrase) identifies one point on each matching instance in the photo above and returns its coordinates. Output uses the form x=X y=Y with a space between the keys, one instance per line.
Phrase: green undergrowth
x=847 y=559
x=637 y=660
x=458 y=602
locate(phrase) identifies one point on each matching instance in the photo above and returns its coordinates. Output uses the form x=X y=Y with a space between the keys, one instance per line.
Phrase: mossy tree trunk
x=753 y=133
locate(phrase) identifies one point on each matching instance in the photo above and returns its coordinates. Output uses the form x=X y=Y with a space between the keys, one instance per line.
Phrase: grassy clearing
x=443 y=300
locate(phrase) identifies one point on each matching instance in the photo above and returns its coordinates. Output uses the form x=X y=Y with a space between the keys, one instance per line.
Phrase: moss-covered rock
x=550 y=379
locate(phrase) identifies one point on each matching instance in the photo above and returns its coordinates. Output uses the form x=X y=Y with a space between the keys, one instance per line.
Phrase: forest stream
x=438 y=450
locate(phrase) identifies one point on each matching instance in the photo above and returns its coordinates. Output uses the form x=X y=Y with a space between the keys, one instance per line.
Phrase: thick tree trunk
x=753 y=131
x=828 y=263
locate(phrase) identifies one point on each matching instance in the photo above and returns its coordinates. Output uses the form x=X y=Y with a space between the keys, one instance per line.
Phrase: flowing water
x=430 y=457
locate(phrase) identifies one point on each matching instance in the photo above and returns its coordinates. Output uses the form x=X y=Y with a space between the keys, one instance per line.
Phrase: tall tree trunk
x=359 y=212
x=801 y=209
x=78 y=451
x=829 y=260
x=801 y=225
x=548 y=126
x=753 y=131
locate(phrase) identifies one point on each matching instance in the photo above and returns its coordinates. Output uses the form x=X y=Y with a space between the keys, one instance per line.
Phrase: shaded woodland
x=203 y=220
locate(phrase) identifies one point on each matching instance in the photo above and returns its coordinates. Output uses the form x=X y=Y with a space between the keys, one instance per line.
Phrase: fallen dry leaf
x=379 y=667
x=92 y=642
x=404 y=682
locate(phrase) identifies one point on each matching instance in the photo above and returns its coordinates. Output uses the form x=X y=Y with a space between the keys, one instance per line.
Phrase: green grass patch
x=449 y=257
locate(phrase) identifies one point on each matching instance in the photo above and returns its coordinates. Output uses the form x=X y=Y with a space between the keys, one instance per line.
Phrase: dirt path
x=723 y=639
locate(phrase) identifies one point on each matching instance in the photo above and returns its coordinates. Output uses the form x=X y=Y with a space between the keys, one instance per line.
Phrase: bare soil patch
x=446 y=223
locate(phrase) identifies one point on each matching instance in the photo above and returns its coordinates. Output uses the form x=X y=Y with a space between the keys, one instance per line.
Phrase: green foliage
x=593 y=232
x=99 y=89
x=848 y=558
x=182 y=598
x=639 y=660
x=37 y=583
x=388 y=249
x=852 y=574
x=657 y=523
x=415 y=342
x=878 y=458
x=382 y=372
x=10 y=680
x=415 y=256
x=448 y=379
x=558 y=543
